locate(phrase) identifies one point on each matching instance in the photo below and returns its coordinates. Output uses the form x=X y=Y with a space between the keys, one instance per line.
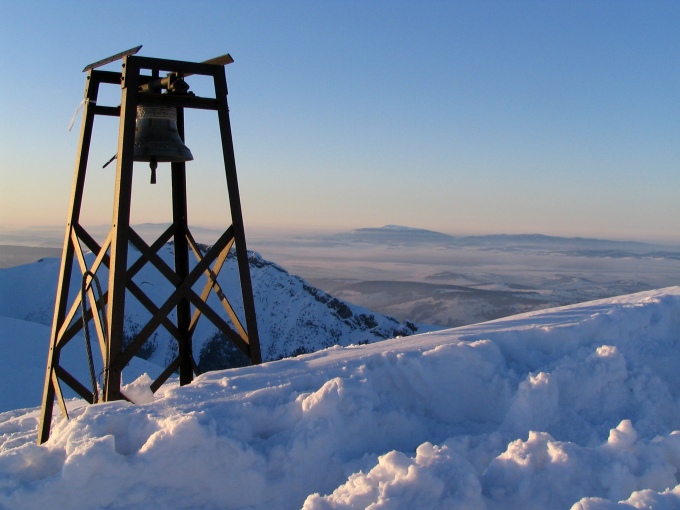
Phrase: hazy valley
x=434 y=278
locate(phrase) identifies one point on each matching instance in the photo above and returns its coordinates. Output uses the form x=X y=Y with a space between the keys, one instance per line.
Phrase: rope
x=80 y=107
x=88 y=344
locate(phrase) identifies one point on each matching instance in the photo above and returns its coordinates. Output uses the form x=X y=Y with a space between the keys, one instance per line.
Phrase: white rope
x=75 y=114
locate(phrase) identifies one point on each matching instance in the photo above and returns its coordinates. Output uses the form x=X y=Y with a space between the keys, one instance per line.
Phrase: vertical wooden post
x=63 y=285
x=120 y=229
x=236 y=214
x=179 y=216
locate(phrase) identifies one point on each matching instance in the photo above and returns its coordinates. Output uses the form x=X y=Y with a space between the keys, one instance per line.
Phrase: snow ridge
x=296 y=318
x=573 y=407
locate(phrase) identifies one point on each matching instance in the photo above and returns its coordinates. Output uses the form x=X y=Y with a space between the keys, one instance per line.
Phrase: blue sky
x=465 y=117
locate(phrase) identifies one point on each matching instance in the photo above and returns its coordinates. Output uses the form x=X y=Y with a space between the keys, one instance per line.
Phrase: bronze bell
x=157 y=139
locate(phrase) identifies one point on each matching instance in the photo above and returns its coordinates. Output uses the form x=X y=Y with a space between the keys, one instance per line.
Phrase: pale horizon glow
x=490 y=117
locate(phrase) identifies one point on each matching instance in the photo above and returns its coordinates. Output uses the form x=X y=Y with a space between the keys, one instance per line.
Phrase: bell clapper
x=153 y=165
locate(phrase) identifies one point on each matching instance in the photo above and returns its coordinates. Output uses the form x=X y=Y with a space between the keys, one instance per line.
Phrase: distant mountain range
x=399 y=235
x=388 y=234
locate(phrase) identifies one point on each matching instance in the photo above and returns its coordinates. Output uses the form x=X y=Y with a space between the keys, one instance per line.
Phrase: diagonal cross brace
x=184 y=290
x=211 y=284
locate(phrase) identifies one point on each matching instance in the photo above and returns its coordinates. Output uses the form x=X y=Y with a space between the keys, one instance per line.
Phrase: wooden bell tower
x=141 y=84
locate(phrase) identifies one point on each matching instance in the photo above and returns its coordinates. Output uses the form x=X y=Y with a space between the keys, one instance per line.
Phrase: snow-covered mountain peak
x=293 y=316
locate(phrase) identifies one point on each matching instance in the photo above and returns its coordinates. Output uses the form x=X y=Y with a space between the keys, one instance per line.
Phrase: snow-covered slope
x=293 y=317
x=23 y=359
x=575 y=407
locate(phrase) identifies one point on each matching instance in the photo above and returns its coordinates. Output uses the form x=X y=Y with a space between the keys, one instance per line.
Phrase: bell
x=157 y=139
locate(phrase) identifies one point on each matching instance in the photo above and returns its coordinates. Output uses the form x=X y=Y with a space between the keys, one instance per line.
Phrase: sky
x=559 y=117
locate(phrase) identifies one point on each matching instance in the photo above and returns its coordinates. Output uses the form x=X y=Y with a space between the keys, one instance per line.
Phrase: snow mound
x=574 y=407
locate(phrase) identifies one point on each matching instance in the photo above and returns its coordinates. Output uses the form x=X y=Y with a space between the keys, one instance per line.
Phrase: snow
x=23 y=359
x=573 y=407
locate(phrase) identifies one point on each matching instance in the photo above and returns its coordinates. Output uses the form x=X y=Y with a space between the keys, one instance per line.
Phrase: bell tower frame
x=111 y=256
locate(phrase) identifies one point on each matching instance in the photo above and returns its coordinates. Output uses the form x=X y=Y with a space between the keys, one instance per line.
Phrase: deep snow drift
x=575 y=407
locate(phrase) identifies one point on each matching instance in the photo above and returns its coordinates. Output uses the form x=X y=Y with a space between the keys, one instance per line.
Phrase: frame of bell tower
x=112 y=255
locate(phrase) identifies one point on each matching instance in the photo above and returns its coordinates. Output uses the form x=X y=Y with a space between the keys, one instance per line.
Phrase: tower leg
x=120 y=232
x=237 y=216
x=63 y=285
x=179 y=215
